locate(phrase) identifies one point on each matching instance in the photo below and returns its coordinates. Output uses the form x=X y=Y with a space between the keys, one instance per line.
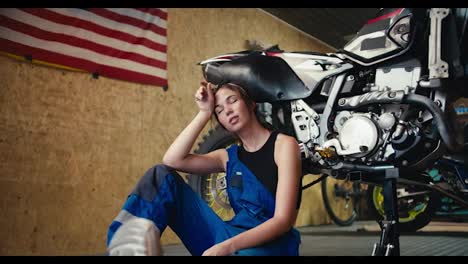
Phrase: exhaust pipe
x=441 y=123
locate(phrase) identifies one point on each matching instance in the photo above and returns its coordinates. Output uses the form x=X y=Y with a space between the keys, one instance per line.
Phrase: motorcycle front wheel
x=341 y=199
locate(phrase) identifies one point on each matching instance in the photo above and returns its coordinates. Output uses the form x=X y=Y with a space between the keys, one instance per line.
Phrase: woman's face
x=231 y=109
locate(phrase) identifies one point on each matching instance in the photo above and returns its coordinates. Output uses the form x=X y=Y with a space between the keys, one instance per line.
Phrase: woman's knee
x=163 y=171
x=148 y=185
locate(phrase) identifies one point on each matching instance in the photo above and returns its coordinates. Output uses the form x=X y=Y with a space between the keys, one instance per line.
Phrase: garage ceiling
x=334 y=26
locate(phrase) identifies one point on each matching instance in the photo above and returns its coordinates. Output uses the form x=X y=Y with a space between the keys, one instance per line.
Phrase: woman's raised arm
x=178 y=155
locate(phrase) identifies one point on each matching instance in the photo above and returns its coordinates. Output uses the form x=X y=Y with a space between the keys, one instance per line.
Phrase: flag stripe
x=80 y=53
x=160 y=12
x=62 y=24
x=74 y=41
x=158 y=18
x=129 y=20
x=144 y=16
x=129 y=29
x=113 y=72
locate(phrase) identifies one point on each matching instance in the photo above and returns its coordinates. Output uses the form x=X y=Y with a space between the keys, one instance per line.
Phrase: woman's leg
x=163 y=197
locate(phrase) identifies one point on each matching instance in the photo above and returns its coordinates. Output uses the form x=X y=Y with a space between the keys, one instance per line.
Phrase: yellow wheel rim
x=378 y=199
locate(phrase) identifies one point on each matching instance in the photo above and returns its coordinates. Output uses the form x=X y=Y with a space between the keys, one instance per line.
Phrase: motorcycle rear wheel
x=207 y=186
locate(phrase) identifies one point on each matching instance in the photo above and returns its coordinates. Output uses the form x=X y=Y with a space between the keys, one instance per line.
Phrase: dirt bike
x=373 y=111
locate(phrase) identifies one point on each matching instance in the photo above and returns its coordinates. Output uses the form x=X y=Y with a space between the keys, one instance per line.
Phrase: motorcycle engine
x=355 y=135
x=358 y=134
x=363 y=136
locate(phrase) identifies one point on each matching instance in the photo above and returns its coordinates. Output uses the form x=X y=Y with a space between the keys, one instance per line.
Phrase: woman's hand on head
x=204 y=97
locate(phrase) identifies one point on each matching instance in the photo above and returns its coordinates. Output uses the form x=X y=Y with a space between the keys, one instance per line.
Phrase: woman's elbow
x=285 y=223
x=168 y=161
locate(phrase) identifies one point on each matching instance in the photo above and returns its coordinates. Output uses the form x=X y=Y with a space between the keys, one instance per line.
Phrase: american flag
x=122 y=43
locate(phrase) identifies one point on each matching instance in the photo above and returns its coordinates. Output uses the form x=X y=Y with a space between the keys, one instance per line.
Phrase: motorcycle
x=373 y=111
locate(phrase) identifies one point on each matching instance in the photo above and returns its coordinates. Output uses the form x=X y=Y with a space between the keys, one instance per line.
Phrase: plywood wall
x=72 y=147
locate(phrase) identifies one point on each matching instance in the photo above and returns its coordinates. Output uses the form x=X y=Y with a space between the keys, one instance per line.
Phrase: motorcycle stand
x=389 y=244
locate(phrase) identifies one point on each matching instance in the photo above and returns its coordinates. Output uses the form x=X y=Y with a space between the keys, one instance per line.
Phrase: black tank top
x=262 y=164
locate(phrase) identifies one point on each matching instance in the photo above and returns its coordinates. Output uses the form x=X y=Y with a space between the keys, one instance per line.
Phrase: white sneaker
x=137 y=237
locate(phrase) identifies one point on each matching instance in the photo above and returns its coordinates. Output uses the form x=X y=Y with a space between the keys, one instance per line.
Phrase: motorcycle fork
x=389 y=243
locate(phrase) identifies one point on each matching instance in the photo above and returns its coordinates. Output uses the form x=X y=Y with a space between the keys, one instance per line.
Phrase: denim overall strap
x=246 y=193
x=254 y=204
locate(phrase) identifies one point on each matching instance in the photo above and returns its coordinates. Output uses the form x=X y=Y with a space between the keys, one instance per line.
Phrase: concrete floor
x=436 y=239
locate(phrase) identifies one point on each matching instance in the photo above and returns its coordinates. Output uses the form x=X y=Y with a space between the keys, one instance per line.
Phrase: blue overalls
x=162 y=196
